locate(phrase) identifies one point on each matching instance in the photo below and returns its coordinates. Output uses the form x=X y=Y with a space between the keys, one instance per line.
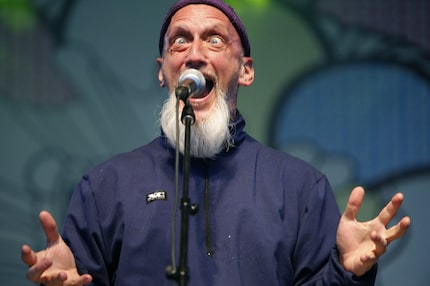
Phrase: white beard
x=208 y=137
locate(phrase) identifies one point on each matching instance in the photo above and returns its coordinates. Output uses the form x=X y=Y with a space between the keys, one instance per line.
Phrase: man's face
x=203 y=38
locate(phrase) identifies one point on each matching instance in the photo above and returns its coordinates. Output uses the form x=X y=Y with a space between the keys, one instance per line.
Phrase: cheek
x=228 y=74
x=227 y=64
x=170 y=71
x=174 y=61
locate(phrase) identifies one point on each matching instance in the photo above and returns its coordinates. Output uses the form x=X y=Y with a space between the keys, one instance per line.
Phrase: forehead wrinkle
x=202 y=16
x=204 y=31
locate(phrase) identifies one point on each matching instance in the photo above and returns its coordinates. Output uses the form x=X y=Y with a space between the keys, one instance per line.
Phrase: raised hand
x=56 y=264
x=360 y=244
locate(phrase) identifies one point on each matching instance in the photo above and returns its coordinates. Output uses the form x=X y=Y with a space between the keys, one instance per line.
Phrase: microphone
x=191 y=83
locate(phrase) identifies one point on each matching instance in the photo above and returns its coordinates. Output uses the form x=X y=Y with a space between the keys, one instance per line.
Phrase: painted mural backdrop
x=344 y=85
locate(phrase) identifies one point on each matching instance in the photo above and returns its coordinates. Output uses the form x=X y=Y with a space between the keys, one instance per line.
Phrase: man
x=268 y=218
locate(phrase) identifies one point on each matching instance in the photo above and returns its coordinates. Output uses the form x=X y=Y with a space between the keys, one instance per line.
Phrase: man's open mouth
x=208 y=88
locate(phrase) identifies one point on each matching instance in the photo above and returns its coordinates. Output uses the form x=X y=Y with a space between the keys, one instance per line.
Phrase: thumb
x=49 y=227
x=354 y=203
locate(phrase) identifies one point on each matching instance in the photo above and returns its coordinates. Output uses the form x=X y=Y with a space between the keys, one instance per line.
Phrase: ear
x=246 y=77
x=160 y=73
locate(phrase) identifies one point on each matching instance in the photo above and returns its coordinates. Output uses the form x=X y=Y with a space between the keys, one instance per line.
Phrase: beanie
x=226 y=9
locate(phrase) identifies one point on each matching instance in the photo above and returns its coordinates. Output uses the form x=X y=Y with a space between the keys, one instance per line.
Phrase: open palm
x=56 y=264
x=360 y=244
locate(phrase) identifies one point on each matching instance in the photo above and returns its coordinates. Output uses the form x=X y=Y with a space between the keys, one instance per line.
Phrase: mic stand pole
x=181 y=276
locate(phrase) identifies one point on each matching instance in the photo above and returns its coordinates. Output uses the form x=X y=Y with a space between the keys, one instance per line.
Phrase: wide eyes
x=213 y=43
x=180 y=41
x=215 y=40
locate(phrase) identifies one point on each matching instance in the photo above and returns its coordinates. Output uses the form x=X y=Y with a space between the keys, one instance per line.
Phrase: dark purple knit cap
x=226 y=9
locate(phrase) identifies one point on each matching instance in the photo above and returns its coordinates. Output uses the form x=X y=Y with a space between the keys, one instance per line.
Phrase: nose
x=196 y=57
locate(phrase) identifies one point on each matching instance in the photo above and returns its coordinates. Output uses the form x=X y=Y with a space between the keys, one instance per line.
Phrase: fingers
x=354 y=203
x=38 y=273
x=28 y=256
x=398 y=230
x=390 y=209
x=380 y=248
x=36 y=270
x=49 y=226
x=388 y=213
x=369 y=258
x=62 y=278
x=85 y=279
x=380 y=243
x=81 y=280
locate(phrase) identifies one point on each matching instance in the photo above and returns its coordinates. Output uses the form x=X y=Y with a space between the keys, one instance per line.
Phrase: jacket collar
x=237 y=129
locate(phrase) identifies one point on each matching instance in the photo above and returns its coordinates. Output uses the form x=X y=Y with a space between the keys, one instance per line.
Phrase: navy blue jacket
x=267 y=218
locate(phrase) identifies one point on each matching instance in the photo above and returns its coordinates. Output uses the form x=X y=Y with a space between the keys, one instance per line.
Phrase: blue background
x=344 y=85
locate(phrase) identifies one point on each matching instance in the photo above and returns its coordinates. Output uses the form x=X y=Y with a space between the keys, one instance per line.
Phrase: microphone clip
x=182 y=92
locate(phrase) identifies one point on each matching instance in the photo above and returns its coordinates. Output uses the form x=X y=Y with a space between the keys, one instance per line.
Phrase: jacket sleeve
x=82 y=232
x=316 y=257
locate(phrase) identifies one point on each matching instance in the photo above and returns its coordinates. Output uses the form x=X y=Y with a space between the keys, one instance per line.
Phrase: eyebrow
x=216 y=29
x=177 y=31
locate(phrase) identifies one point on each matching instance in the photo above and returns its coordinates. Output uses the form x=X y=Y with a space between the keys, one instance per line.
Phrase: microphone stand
x=181 y=275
